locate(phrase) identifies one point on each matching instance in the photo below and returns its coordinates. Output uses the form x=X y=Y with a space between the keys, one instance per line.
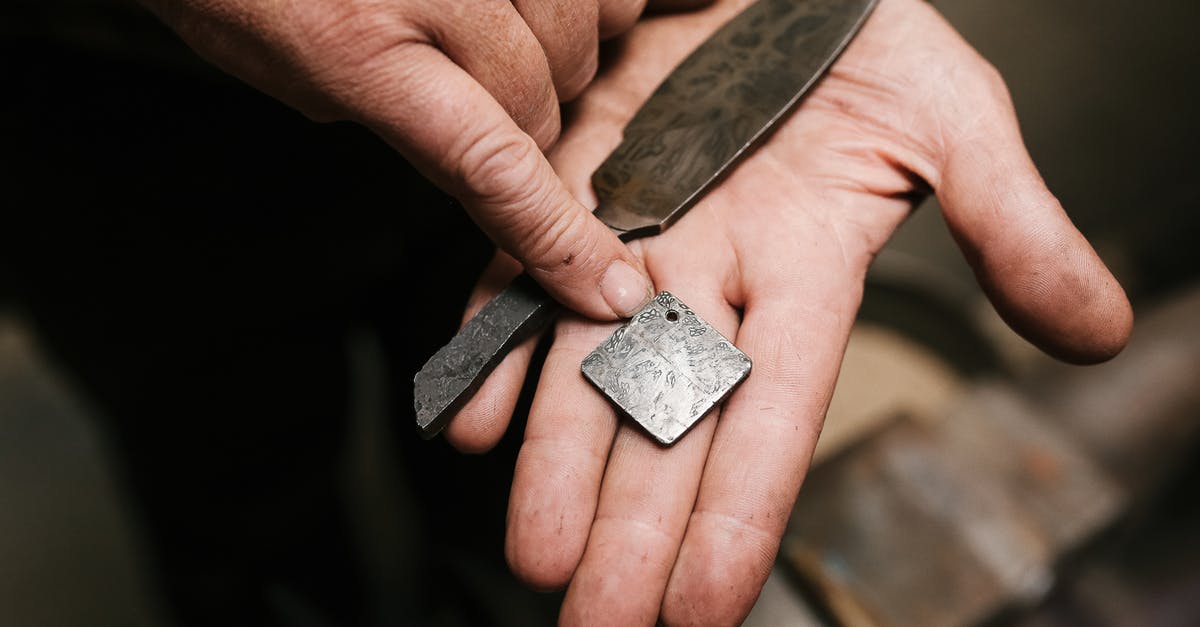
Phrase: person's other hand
x=774 y=257
x=467 y=91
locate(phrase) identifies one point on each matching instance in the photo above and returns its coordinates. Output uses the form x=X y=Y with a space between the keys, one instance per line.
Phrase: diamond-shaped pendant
x=666 y=367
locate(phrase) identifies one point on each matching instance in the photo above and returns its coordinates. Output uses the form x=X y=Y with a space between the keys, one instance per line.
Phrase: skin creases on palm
x=775 y=258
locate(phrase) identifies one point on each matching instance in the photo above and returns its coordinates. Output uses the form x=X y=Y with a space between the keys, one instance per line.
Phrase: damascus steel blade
x=716 y=105
x=666 y=368
x=457 y=370
x=711 y=111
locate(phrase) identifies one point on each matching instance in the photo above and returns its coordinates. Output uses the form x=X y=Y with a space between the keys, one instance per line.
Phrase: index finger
x=458 y=135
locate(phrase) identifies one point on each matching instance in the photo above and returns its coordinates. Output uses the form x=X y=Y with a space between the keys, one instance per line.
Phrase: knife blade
x=707 y=114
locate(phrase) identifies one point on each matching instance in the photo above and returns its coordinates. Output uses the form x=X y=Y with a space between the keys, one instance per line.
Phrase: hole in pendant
x=672 y=316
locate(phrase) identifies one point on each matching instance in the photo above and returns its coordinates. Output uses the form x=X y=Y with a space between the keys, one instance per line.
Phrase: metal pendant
x=666 y=367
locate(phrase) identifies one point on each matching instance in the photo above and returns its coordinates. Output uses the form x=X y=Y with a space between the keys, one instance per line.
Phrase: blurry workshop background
x=962 y=478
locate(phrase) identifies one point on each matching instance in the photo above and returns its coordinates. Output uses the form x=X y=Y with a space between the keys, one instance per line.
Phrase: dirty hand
x=775 y=257
x=467 y=91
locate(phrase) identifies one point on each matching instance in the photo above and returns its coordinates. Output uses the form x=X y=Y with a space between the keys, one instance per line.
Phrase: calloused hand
x=774 y=257
x=467 y=91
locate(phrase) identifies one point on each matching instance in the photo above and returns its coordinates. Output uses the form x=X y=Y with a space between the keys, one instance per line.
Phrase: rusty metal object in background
x=948 y=520
x=708 y=113
x=944 y=525
x=666 y=368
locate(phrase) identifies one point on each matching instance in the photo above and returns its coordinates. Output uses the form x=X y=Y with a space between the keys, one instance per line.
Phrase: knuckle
x=507 y=184
x=370 y=26
x=374 y=33
x=571 y=47
x=992 y=83
x=527 y=95
x=513 y=66
x=294 y=51
x=545 y=128
x=618 y=16
x=577 y=74
x=499 y=170
x=976 y=103
x=559 y=244
x=703 y=595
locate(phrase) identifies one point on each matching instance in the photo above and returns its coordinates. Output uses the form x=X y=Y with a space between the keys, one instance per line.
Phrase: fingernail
x=624 y=289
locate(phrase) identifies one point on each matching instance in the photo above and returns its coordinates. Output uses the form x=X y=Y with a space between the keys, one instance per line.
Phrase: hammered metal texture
x=454 y=373
x=666 y=367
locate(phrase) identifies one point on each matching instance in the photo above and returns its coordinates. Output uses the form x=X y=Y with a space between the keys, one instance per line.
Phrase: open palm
x=775 y=257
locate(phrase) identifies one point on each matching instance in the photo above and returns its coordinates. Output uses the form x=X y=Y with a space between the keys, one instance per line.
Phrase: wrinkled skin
x=775 y=257
x=468 y=92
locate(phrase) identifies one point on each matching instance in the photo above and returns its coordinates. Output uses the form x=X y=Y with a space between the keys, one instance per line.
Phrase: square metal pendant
x=666 y=367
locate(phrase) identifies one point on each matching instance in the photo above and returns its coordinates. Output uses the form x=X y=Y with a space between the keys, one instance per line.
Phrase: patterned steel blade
x=709 y=112
x=716 y=104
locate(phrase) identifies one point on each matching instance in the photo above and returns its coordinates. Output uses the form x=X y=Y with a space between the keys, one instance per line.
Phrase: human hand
x=775 y=257
x=468 y=92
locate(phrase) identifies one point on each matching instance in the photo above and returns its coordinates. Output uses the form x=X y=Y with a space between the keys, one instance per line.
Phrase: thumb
x=1039 y=271
x=459 y=136
x=515 y=196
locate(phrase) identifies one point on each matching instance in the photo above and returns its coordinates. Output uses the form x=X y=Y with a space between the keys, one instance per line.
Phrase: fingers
x=1039 y=271
x=644 y=503
x=463 y=91
x=557 y=477
x=618 y=16
x=495 y=46
x=445 y=121
x=647 y=494
x=952 y=123
x=480 y=424
x=762 y=447
x=568 y=34
x=508 y=186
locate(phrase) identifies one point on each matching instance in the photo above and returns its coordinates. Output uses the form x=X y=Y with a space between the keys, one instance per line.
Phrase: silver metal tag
x=666 y=367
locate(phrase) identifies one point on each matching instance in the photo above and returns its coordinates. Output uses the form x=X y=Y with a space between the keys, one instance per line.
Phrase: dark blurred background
x=211 y=310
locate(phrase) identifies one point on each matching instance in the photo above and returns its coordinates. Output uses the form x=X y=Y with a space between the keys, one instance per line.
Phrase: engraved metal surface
x=666 y=368
x=456 y=371
x=707 y=114
x=717 y=104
